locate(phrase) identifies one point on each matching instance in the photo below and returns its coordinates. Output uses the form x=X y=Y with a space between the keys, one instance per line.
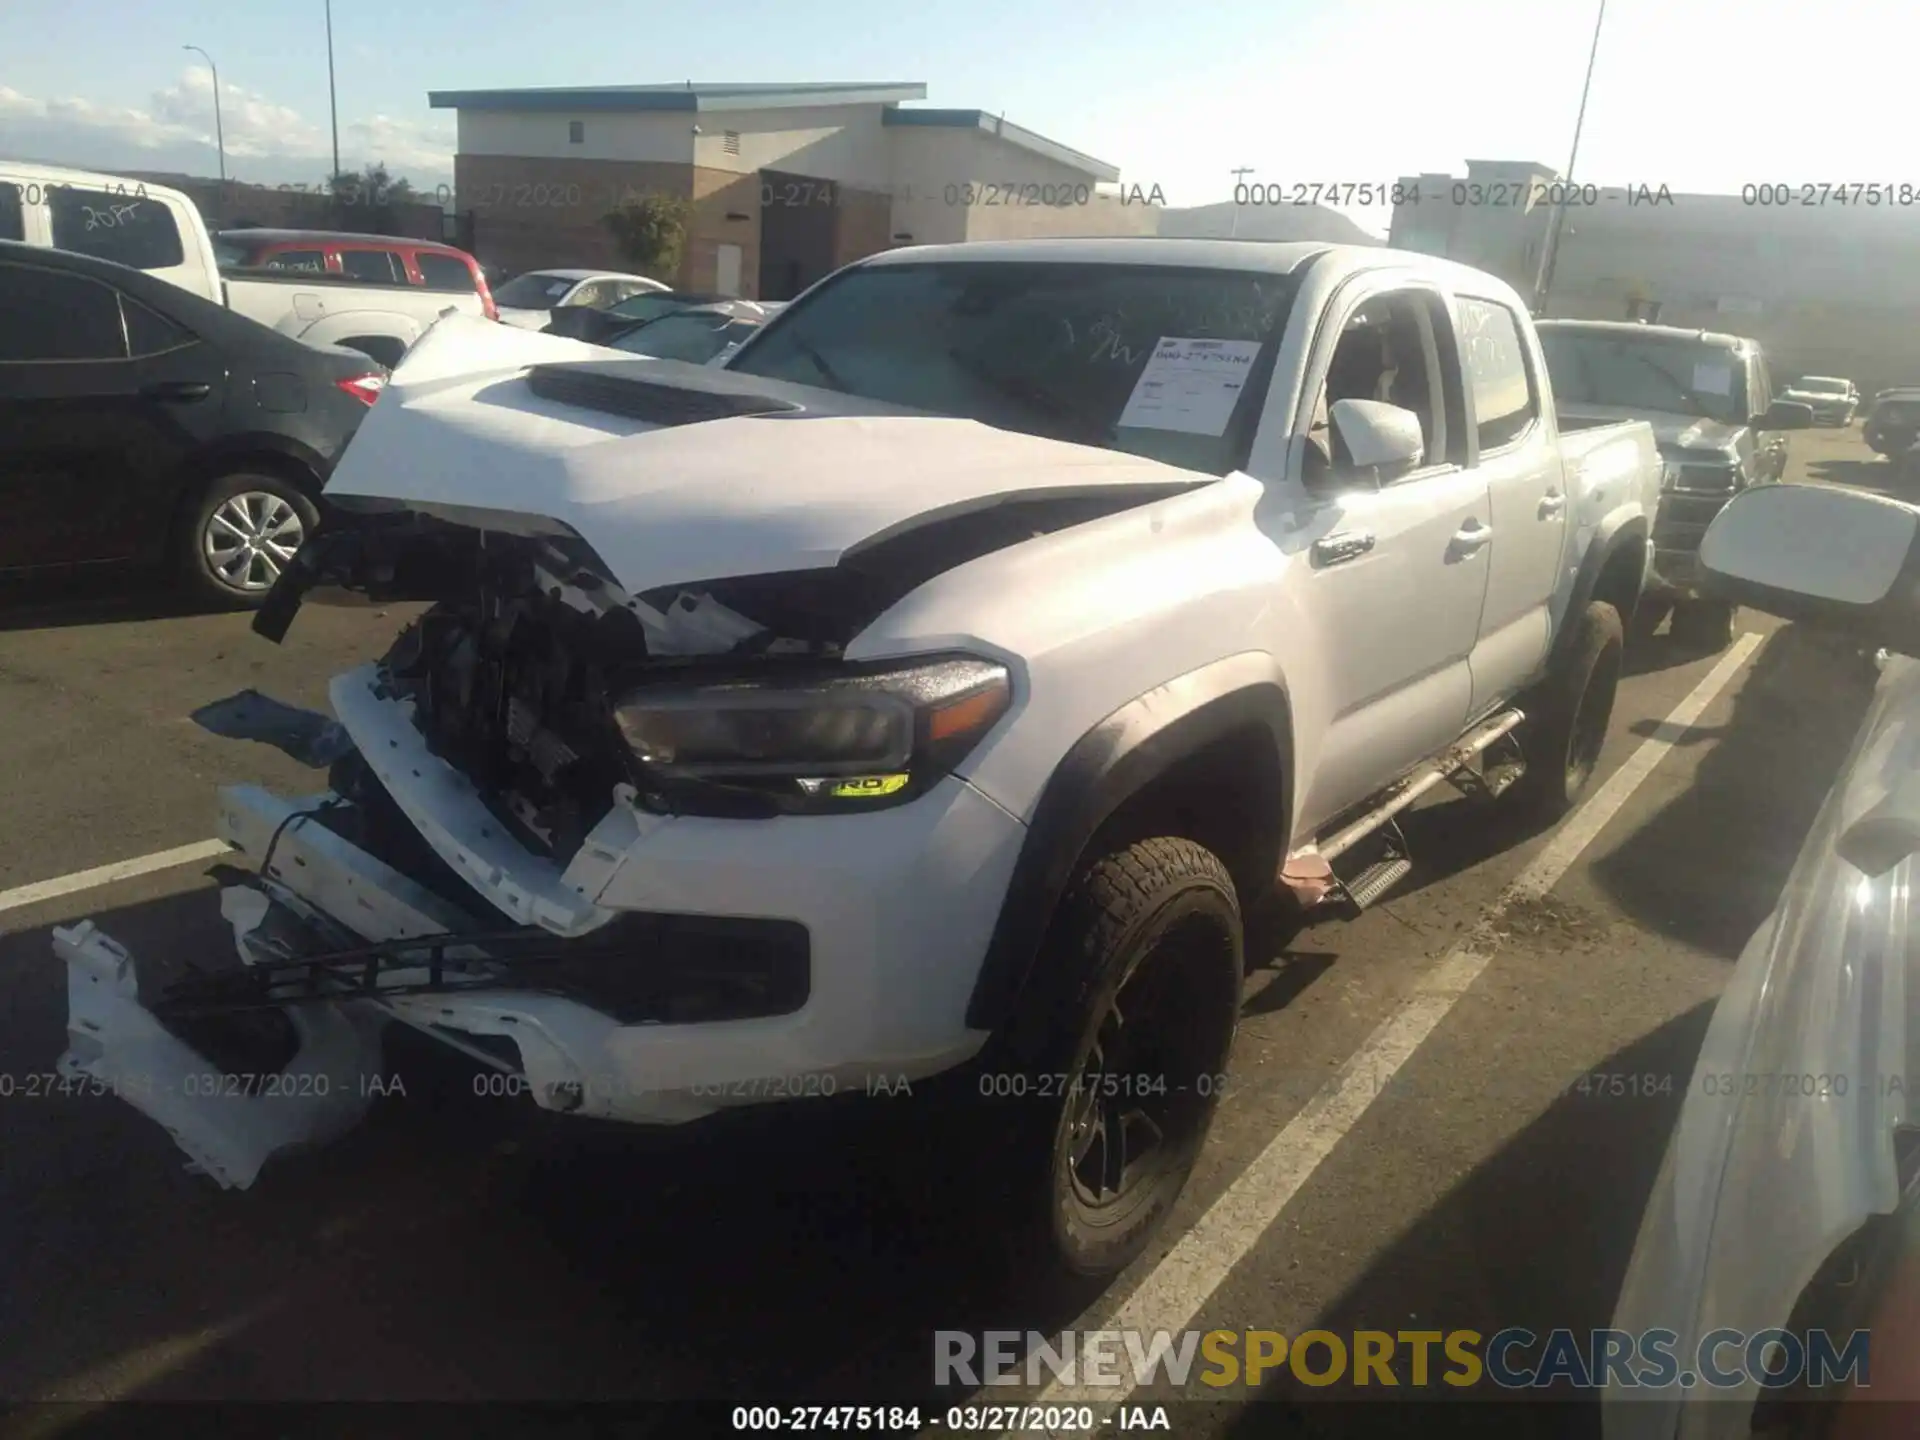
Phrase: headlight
x=1718 y=476
x=812 y=742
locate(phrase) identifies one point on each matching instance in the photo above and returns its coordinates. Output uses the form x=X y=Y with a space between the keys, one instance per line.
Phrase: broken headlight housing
x=808 y=741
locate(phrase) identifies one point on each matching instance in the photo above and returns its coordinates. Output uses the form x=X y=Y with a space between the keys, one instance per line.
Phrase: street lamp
x=1233 y=226
x=333 y=105
x=1549 y=250
x=219 y=130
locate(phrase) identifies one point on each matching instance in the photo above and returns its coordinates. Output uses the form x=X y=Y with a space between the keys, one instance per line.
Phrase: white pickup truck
x=159 y=230
x=927 y=692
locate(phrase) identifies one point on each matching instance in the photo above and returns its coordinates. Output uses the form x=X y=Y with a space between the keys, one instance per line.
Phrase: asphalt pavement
x=464 y=1247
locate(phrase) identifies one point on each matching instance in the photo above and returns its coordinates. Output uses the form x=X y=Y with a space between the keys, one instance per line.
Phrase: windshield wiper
x=819 y=363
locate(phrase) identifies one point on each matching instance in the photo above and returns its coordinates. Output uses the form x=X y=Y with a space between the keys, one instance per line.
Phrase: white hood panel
x=458 y=429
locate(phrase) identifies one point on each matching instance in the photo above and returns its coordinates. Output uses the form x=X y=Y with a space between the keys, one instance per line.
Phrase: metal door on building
x=799 y=217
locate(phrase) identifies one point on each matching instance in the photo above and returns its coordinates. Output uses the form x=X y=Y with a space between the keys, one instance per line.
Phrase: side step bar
x=1460 y=764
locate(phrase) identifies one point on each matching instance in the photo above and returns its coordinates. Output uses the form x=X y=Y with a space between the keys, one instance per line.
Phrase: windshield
x=535 y=291
x=1051 y=349
x=693 y=338
x=1647 y=372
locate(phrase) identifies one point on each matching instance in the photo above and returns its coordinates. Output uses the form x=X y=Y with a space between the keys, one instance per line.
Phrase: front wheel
x=1107 y=1085
x=1568 y=716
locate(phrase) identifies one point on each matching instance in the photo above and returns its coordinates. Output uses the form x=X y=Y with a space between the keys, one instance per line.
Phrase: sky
x=1698 y=95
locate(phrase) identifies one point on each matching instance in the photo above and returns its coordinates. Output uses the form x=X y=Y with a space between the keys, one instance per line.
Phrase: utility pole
x=219 y=132
x=1550 y=247
x=333 y=105
x=1233 y=226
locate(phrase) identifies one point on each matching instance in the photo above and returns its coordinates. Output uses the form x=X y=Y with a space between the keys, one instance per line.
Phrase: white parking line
x=1172 y=1294
x=106 y=874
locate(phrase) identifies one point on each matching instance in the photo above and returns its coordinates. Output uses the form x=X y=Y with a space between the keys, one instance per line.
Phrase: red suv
x=370 y=259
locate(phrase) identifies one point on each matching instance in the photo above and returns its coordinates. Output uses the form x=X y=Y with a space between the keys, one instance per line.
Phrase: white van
x=133 y=222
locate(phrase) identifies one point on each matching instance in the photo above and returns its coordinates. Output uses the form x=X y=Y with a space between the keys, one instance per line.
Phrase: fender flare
x=1108 y=765
x=1614 y=533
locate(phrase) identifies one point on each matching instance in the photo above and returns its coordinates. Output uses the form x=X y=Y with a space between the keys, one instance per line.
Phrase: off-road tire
x=1157 y=907
x=197 y=568
x=1567 y=718
x=1704 y=627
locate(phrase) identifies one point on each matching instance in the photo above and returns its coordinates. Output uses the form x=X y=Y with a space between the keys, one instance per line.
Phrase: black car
x=140 y=423
x=577 y=322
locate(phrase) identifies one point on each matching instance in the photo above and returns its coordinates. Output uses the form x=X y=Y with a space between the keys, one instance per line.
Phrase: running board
x=1308 y=871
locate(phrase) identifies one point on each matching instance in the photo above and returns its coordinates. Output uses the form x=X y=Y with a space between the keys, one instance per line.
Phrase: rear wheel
x=1567 y=718
x=1705 y=626
x=1101 y=1095
x=240 y=536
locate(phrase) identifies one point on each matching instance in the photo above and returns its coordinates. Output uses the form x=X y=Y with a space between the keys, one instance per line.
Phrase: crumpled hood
x=459 y=429
x=1683 y=432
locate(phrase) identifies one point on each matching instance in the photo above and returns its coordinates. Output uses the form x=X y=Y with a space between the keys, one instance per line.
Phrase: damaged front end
x=486 y=780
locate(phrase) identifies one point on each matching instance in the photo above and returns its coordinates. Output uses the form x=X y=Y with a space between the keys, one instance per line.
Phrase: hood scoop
x=614 y=390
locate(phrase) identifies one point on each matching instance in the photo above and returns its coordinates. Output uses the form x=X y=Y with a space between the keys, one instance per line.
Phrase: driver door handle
x=177 y=390
x=1469 y=538
x=1341 y=546
x=1553 y=506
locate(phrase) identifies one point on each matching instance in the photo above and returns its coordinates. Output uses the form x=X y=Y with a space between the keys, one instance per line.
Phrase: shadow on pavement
x=463 y=1246
x=1526 y=1240
x=1877 y=475
x=1708 y=867
x=102 y=598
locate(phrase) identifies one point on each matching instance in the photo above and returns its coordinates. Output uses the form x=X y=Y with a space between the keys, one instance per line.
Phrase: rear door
x=1396 y=566
x=101 y=400
x=1512 y=445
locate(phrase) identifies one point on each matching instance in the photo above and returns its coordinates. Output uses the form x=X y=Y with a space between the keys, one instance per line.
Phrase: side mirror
x=1378 y=436
x=1839 y=560
x=1785 y=415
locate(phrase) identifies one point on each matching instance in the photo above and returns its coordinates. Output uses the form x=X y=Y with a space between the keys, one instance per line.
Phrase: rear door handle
x=1341 y=546
x=1471 y=536
x=1555 y=504
x=176 y=390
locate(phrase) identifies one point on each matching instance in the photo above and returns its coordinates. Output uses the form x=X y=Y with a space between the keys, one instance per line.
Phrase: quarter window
x=443 y=272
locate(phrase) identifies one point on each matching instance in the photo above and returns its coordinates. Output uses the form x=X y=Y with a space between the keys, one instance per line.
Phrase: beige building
x=1829 y=282
x=787 y=182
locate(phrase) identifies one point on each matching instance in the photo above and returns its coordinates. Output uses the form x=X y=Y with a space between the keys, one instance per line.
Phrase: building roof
x=690 y=95
x=1012 y=134
x=1281 y=257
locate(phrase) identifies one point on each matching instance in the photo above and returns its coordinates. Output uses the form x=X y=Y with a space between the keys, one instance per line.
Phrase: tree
x=650 y=232
x=364 y=200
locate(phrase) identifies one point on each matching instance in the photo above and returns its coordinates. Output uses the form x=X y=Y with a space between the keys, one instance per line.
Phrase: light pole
x=333 y=105
x=1549 y=250
x=1233 y=226
x=219 y=130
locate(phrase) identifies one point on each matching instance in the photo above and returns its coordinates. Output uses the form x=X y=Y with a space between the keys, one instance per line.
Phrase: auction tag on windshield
x=1190 y=386
x=1711 y=379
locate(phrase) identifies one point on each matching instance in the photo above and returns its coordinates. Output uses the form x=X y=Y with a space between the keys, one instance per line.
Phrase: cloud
x=265 y=141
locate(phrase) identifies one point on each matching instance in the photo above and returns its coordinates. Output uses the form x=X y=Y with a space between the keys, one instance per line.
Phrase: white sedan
x=528 y=301
x=1777 y=1252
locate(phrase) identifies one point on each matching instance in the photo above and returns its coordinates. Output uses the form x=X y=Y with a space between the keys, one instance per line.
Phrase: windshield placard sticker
x=1190 y=385
x=1710 y=378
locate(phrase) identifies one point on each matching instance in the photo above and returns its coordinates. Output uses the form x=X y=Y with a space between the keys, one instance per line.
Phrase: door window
x=594 y=295
x=127 y=229
x=1505 y=400
x=375 y=267
x=1390 y=349
x=54 y=316
x=13 y=221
